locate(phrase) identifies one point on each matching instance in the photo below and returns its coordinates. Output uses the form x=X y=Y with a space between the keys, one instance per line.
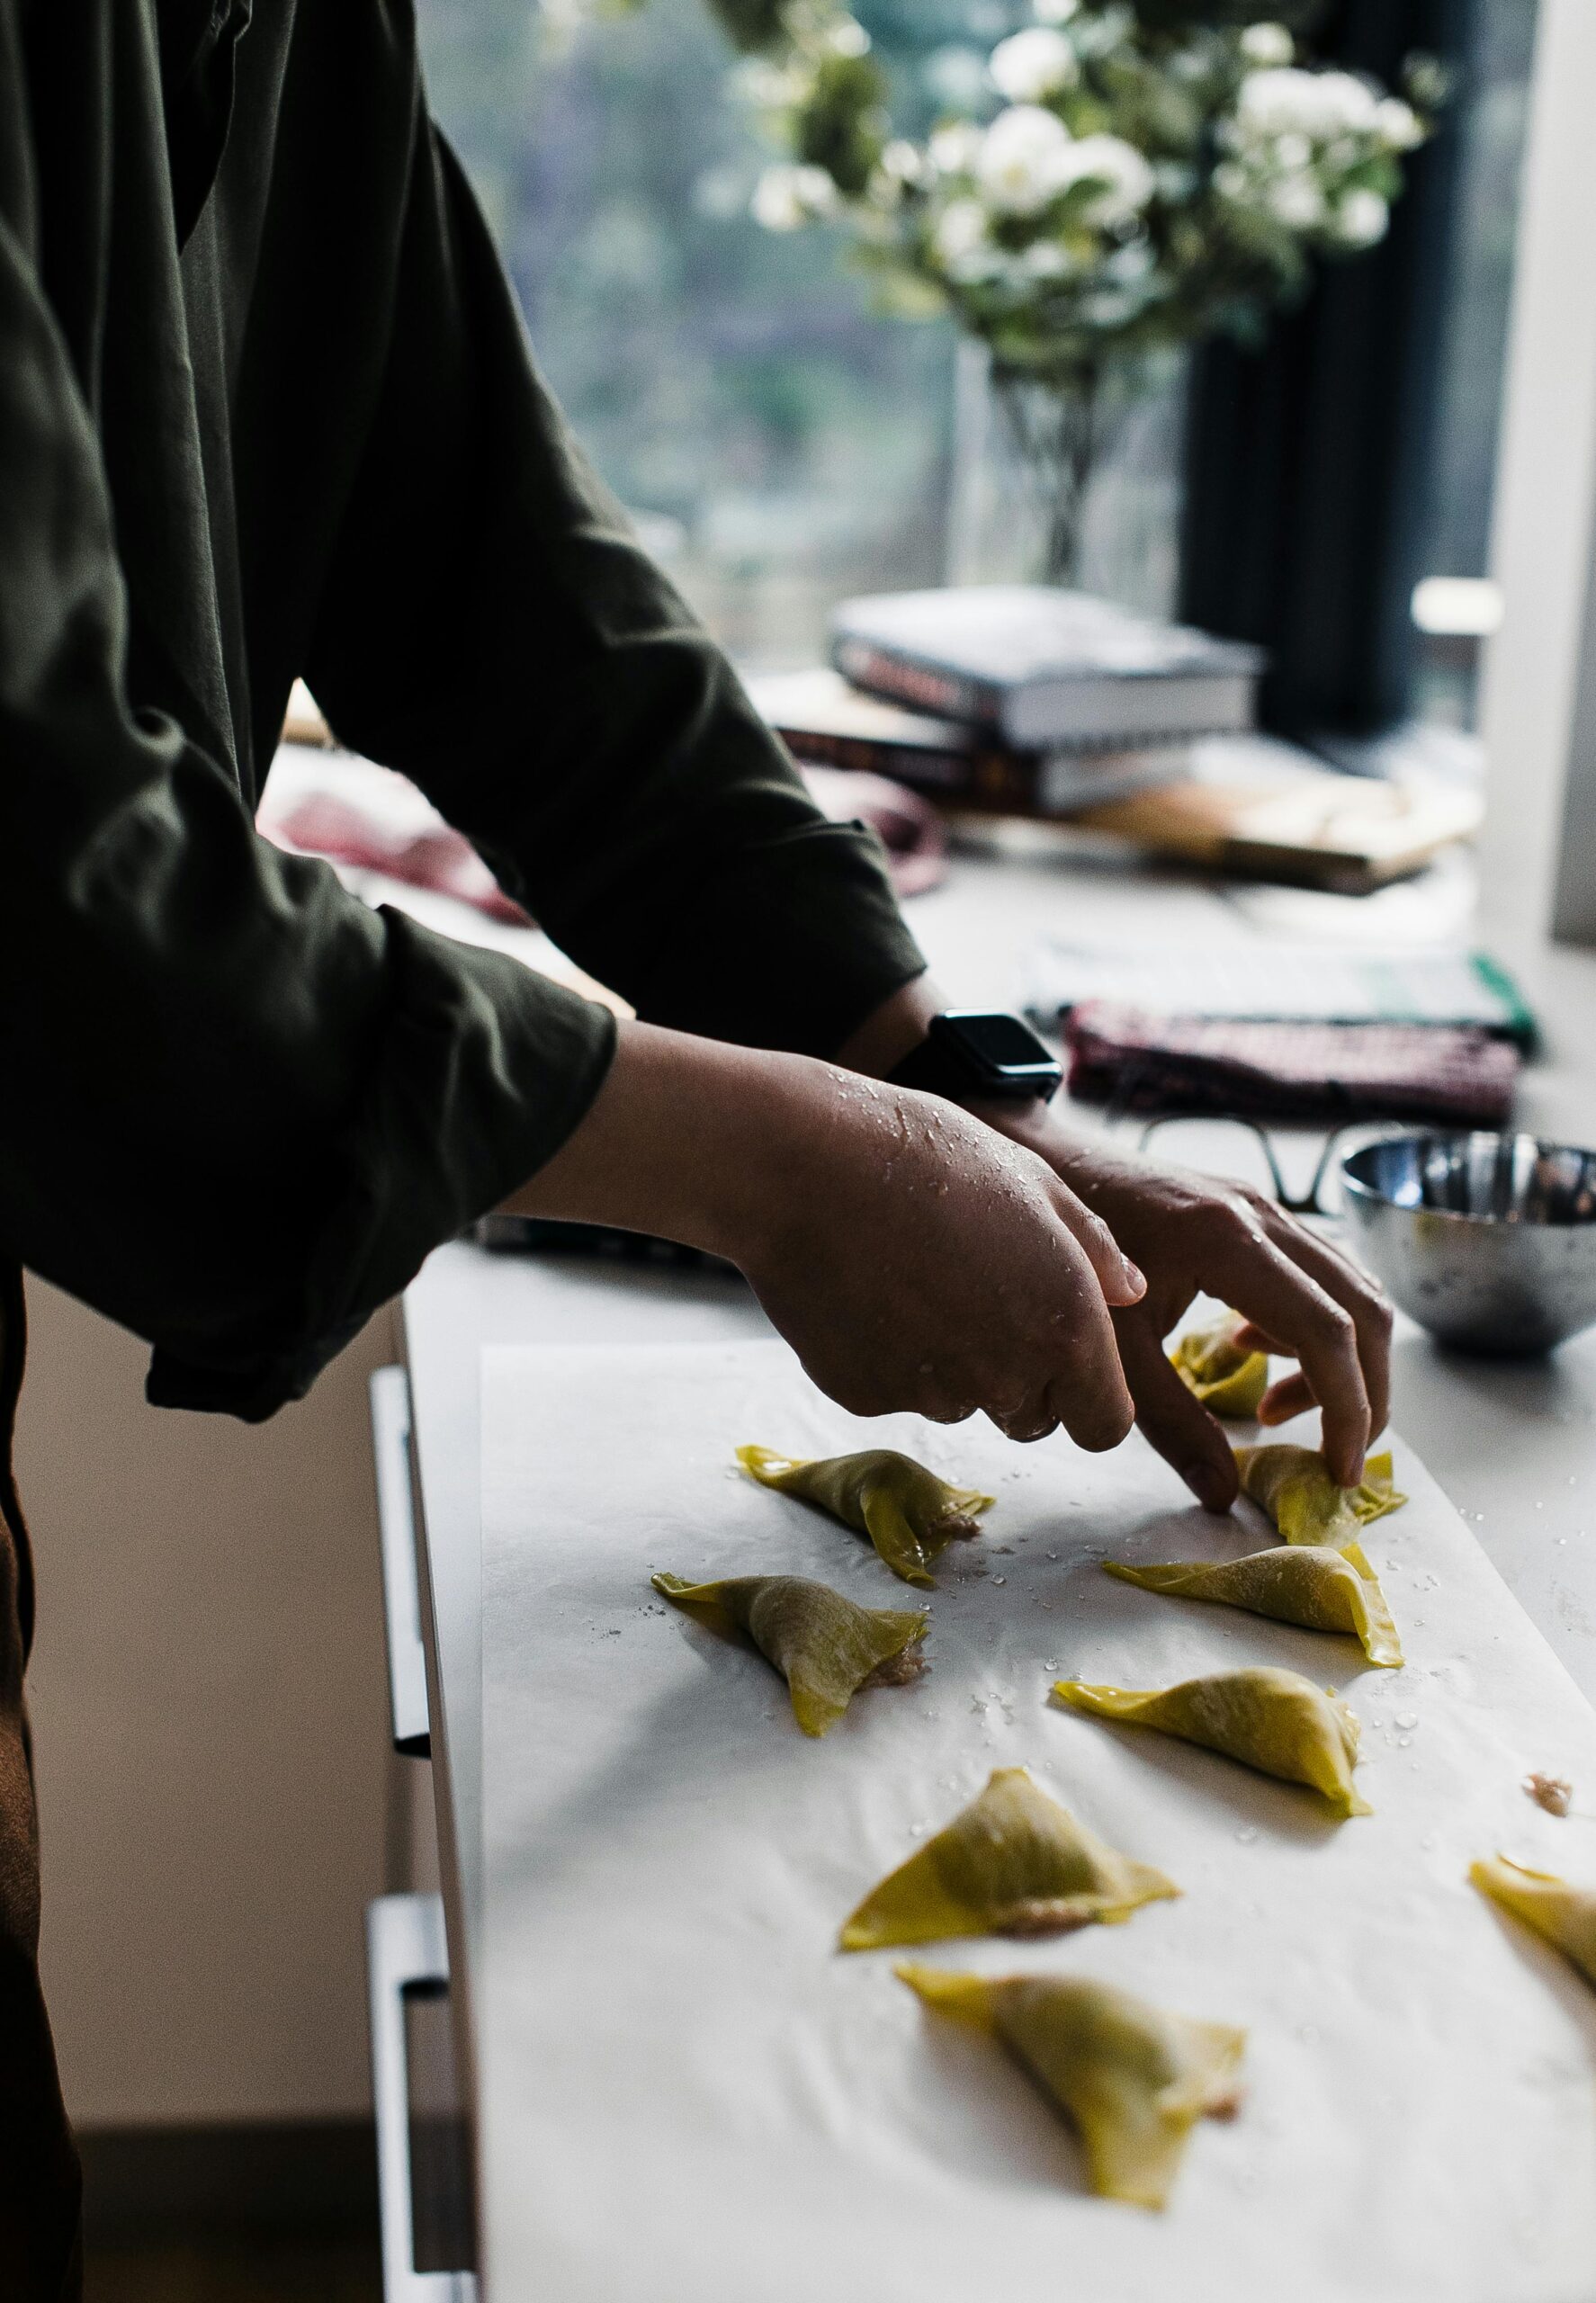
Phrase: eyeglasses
x=1215 y=1146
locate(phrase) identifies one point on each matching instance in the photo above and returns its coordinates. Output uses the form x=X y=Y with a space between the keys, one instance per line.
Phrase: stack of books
x=1019 y=700
x=1015 y=699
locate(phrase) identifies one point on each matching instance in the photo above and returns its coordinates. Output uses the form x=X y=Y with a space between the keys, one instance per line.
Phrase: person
x=266 y=410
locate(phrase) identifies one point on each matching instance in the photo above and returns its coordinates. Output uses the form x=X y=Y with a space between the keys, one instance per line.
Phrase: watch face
x=999 y=1042
x=970 y=1053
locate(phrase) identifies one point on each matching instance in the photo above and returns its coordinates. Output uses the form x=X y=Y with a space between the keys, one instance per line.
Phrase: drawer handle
x=406 y=1948
x=401 y=1589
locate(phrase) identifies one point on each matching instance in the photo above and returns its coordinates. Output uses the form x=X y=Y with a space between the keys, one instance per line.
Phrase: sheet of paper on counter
x=690 y=2096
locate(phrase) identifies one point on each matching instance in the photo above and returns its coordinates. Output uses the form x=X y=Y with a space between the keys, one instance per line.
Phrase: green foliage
x=755 y=26
x=843 y=124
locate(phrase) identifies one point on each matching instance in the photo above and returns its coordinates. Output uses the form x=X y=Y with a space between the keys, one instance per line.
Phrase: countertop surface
x=1514 y=1445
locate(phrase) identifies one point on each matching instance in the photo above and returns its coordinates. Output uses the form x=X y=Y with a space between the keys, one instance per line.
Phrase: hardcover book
x=1040 y=669
x=825 y=722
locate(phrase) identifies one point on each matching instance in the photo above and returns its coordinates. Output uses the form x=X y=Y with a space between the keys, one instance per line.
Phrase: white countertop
x=1514 y=1445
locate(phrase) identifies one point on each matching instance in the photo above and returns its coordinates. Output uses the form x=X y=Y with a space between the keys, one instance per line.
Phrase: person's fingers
x=1086 y=1389
x=1292 y=1396
x=1036 y=1420
x=1273 y=1290
x=1358 y=1294
x=1177 y=1423
x=1121 y=1281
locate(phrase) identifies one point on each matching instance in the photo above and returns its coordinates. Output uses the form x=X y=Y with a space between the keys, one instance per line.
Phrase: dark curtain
x=1306 y=459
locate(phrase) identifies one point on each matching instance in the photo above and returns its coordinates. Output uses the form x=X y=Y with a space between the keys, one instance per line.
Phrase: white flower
x=1053 y=12
x=901 y=161
x=1293 y=151
x=786 y=198
x=954 y=150
x=1272 y=104
x=1045 y=260
x=1297 y=202
x=1397 y=125
x=1127 y=180
x=847 y=37
x=1267 y=44
x=1025 y=160
x=770 y=87
x=1230 y=182
x=1362 y=219
x=1110 y=307
x=1033 y=65
x=901 y=166
x=1317 y=104
x=1347 y=104
x=960 y=236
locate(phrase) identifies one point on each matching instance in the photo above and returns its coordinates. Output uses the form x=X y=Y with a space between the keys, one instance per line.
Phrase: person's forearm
x=911 y=1259
x=888 y=1033
x=676 y=1139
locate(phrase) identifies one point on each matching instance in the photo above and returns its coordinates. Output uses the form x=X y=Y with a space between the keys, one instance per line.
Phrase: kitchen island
x=1513 y=1446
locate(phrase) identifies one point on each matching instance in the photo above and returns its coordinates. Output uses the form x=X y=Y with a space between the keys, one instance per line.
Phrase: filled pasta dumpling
x=1564 y=1915
x=1014 y=1862
x=909 y=1514
x=1312 y=1585
x=1228 y=1379
x=824 y=1645
x=1131 y=2079
x=1270 y=1720
x=1294 y=1487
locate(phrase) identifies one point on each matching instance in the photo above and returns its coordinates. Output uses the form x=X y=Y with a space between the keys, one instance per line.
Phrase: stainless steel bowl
x=1487 y=1241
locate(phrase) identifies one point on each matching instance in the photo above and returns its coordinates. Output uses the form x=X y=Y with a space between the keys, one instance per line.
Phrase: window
x=1494 y=103
x=782 y=444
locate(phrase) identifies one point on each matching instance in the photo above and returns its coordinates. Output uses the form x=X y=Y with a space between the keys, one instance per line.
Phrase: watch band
x=974 y=1056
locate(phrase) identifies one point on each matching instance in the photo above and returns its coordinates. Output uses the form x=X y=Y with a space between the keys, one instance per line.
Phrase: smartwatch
x=972 y=1057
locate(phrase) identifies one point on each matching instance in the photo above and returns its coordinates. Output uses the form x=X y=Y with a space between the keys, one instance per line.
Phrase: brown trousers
x=41 y=2248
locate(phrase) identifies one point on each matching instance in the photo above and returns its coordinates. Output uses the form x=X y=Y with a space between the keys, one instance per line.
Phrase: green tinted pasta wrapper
x=1270 y=1720
x=1308 y=1584
x=1564 y=1916
x=1294 y=1487
x=1014 y=1862
x=909 y=1514
x=824 y=1645
x=1132 y=2080
x=1228 y=1380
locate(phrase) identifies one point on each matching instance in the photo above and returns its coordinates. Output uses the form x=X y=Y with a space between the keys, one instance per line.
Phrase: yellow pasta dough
x=1294 y=1487
x=1014 y=1862
x=824 y=1645
x=1273 y=1720
x=909 y=1514
x=1308 y=1584
x=1133 y=2080
x=1564 y=1915
x=1228 y=1380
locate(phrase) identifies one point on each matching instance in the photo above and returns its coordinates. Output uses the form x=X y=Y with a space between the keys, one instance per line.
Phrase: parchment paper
x=691 y=2098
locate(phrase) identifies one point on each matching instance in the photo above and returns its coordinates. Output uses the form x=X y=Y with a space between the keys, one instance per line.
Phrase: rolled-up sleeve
x=236 y=1108
x=491 y=627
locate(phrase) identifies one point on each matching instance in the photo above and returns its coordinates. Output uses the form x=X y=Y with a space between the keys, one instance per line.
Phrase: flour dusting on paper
x=693 y=2097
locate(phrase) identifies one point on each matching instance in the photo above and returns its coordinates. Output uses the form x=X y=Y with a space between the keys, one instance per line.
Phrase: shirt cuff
x=485 y=1069
x=790 y=946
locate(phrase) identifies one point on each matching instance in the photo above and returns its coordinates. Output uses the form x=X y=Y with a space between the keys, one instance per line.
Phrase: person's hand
x=1195 y=1234
x=913 y=1257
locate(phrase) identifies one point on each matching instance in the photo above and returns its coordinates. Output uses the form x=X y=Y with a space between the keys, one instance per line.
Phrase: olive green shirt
x=267 y=409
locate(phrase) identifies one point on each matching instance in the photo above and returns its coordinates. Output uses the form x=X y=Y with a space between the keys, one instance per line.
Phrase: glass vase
x=1075 y=486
